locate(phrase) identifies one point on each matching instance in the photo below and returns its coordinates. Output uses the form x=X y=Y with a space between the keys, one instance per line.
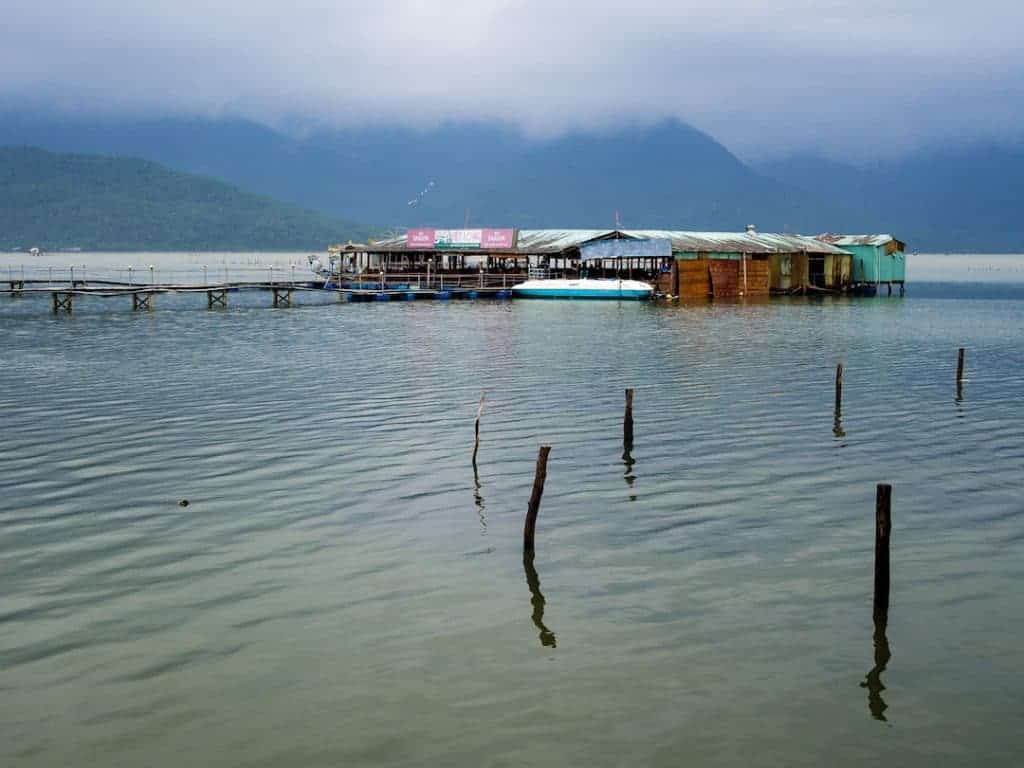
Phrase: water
x=341 y=590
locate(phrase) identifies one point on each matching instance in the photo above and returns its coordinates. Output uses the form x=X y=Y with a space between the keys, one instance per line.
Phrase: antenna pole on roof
x=618 y=223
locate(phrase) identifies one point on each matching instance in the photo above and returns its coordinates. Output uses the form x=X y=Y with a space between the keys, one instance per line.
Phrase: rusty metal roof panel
x=841 y=240
x=389 y=243
x=738 y=242
x=558 y=240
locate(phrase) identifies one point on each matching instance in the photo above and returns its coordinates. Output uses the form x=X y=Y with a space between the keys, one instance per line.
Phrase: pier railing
x=435 y=281
x=154 y=276
x=81 y=275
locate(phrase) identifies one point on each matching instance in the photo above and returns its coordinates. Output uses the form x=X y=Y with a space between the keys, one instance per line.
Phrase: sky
x=841 y=78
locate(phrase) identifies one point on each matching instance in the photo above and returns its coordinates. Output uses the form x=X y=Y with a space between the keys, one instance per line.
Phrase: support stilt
x=61 y=302
x=282 y=297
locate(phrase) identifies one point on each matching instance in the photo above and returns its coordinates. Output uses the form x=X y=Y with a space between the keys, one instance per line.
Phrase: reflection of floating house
x=877 y=260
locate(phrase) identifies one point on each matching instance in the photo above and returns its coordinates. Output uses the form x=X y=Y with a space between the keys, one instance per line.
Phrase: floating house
x=700 y=264
x=678 y=263
x=877 y=260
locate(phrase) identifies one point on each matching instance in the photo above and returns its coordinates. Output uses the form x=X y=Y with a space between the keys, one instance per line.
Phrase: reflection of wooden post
x=839 y=387
x=540 y=475
x=883 y=529
x=547 y=637
x=476 y=426
x=873 y=681
x=837 y=423
x=627 y=421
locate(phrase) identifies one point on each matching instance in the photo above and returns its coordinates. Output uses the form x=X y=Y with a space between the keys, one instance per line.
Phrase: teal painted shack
x=877 y=259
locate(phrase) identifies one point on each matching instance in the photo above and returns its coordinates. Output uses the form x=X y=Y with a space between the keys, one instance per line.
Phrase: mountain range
x=111 y=203
x=666 y=175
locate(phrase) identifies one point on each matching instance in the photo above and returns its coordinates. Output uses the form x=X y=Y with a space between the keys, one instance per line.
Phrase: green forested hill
x=113 y=203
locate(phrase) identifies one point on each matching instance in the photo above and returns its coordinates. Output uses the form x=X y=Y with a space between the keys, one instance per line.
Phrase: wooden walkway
x=63 y=295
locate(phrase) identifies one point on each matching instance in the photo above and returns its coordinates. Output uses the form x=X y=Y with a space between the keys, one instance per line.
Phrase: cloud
x=765 y=77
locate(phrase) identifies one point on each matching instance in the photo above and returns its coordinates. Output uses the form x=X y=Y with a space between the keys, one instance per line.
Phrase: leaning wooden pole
x=476 y=426
x=883 y=531
x=960 y=367
x=839 y=387
x=539 y=476
x=627 y=421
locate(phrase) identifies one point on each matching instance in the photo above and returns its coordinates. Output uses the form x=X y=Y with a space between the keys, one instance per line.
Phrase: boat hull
x=630 y=290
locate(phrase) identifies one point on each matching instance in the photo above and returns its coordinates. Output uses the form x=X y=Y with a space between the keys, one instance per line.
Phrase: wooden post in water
x=883 y=529
x=476 y=426
x=839 y=387
x=540 y=475
x=627 y=421
x=960 y=368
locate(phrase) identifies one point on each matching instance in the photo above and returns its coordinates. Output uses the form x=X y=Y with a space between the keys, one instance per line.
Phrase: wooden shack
x=803 y=272
x=876 y=260
x=752 y=263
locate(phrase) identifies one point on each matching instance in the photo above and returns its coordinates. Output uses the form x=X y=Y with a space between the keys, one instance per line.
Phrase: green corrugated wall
x=890 y=266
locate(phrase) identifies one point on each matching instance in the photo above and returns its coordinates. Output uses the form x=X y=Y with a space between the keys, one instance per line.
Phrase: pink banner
x=498 y=238
x=420 y=238
x=458 y=239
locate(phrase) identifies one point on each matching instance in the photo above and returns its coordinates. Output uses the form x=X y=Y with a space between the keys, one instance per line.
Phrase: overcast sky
x=764 y=77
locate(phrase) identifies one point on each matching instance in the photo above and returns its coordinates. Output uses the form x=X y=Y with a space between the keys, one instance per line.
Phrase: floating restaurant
x=675 y=263
x=543 y=263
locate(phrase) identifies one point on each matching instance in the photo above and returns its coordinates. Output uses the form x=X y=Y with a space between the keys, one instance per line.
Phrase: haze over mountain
x=848 y=78
x=101 y=203
x=666 y=175
x=856 y=115
x=956 y=199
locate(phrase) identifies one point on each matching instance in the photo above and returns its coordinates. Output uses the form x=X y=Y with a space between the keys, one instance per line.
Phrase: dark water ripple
x=341 y=590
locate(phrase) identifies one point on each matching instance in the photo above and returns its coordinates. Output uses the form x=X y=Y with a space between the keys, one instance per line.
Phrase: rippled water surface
x=342 y=591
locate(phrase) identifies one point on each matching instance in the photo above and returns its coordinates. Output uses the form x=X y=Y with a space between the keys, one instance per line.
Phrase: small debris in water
x=183 y=503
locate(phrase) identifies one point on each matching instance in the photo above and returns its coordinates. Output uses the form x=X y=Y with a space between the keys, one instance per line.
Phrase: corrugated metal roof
x=842 y=240
x=558 y=240
x=393 y=243
x=737 y=242
x=554 y=240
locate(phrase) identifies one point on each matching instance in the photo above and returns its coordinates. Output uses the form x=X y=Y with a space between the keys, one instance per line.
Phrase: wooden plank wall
x=757 y=277
x=694 y=279
x=721 y=277
x=725 y=277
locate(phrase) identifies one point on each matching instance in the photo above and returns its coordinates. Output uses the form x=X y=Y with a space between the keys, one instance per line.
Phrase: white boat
x=583 y=288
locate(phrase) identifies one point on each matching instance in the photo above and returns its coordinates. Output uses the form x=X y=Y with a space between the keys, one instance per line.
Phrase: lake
x=343 y=589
